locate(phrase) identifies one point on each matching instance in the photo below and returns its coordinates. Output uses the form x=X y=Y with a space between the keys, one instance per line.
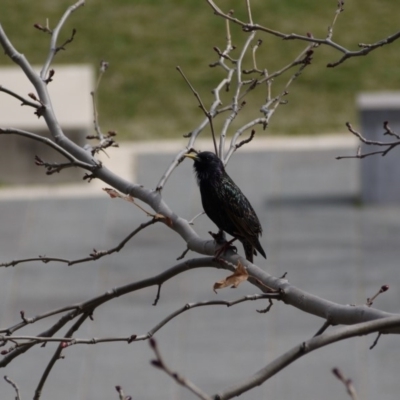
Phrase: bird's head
x=206 y=165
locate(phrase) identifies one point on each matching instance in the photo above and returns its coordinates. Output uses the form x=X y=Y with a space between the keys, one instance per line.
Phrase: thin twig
x=69 y=40
x=340 y=9
x=121 y=394
x=226 y=303
x=182 y=256
x=235 y=107
x=248 y=7
x=107 y=140
x=103 y=68
x=378 y=336
x=52 y=168
x=160 y=363
x=225 y=82
x=366 y=141
x=50 y=143
x=68 y=341
x=97 y=301
x=54 y=36
x=323 y=328
x=191 y=222
x=95 y=255
x=245 y=141
x=389 y=145
x=14 y=385
x=269 y=108
x=56 y=356
x=266 y=309
x=304 y=348
x=300 y=59
x=253 y=53
x=348 y=383
x=382 y=289
x=206 y=113
x=365 y=48
x=389 y=131
x=24 y=101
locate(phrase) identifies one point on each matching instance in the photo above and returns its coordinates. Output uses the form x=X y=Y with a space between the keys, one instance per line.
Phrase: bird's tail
x=250 y=250
x=260 y=249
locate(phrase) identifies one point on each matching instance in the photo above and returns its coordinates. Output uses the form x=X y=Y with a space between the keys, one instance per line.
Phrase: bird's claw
x=224 y=248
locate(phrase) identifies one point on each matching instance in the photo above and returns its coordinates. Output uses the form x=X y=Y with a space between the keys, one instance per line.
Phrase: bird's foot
x=224 y=248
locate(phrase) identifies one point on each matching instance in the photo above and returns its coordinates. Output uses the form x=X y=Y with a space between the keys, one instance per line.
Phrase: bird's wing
x=240 y=211
x=246 y=228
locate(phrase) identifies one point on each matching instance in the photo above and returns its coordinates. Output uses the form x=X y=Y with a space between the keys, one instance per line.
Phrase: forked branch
x=365 y=48
x=388 y=145
x=304 y=348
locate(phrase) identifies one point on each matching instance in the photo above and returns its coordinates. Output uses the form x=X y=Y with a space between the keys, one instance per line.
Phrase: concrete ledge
x=122 y=161
x=378 y=101
x=70 y=95
x=69 y=91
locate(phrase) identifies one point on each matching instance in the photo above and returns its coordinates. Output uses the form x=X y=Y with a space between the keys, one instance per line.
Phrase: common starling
x=225 y=204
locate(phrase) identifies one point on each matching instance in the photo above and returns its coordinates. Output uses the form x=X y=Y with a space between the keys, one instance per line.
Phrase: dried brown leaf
x=233 y=280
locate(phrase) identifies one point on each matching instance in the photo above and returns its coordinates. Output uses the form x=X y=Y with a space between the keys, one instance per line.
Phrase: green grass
x=142 y=95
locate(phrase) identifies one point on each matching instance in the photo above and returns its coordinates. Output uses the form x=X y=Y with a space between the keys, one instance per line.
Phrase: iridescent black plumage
x=225 y=204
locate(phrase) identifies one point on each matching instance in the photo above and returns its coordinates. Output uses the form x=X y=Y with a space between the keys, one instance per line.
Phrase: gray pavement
x=314 y=229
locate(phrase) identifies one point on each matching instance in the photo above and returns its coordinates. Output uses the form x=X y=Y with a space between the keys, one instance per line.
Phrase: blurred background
x=144 y=97
x=316 y=226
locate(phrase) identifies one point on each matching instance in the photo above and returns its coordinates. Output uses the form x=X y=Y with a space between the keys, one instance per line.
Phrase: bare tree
x=344 y=321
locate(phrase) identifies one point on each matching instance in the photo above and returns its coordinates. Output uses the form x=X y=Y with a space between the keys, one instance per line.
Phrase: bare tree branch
x=56 y=356
x=24 y=101
x=304 y=348
x=206 y=113
x=152 y=198
x=269 y=108
x=14 y=385
x=235 y=107
x=336 y=313
x=95 y=255
x=389 y=145
x=160 y=363
x=348 y=384
x=363 y=319
x=19 y=340
x=74 y=161
x=54 y=37
x=107 y=140
x=91 y=304
x=365 y=48
x=213 y=111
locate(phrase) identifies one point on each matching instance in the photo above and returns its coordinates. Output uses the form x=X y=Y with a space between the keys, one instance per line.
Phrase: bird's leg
x=220 y=239
x=226 y=246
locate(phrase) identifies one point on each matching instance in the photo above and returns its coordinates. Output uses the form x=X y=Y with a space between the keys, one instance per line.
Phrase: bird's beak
x=192 y=156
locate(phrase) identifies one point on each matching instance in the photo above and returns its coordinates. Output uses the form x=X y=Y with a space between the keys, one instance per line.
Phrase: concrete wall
x=379 y=175
x=70 y=95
